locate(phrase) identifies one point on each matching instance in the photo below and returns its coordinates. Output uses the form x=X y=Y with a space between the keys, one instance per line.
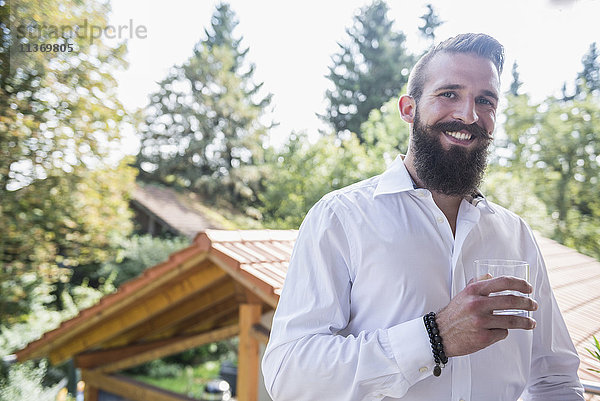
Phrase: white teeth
x=459 y=135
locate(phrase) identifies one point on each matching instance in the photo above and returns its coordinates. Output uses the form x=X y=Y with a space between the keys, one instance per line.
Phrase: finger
x=510 y=322
x=503 y=283
x=486 y=276
x=500 y=302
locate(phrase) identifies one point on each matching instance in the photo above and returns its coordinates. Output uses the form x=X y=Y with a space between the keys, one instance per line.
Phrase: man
x=372 y=259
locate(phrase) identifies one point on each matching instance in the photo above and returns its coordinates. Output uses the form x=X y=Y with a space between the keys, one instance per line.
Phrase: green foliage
x=509 y=189
x=25 y=383
x=188 y=380
x=41 y=319
x=62 y=204
x=203 y=129
x=369 y=70
x=137 y=254
x=588 y=80
x=385 y=133
x=595 y=352
x=302 y=173
x=56 y=224
x=556 y=146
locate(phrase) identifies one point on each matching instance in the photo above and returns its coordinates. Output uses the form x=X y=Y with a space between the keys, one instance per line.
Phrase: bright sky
x=291 y=43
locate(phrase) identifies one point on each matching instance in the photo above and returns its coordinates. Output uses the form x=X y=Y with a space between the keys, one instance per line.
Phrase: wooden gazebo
x=219 y=287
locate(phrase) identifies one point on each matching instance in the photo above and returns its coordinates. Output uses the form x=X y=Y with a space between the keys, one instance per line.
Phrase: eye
x=485 y=101
x=449 y=95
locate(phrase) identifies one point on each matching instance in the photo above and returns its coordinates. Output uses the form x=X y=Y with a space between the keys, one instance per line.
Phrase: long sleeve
x=307 y=358
x=554 y=358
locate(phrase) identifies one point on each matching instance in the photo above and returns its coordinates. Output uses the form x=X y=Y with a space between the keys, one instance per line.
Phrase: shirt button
x=440 y=220
x=423 y=369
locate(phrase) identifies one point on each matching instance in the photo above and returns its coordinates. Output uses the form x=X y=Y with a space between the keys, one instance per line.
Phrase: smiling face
x=453 y=122
x=461 y=90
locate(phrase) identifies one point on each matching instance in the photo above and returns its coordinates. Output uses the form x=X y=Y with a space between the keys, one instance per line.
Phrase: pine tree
x=588 y=80
x=431 y=21
x=368 y=71
x=203 y=128
x=516 y=83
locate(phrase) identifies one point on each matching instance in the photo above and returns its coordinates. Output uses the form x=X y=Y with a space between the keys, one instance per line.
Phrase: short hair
x=479 y=44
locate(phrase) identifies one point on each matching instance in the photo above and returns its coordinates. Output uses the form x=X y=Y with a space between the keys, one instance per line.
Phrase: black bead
x=437 y=370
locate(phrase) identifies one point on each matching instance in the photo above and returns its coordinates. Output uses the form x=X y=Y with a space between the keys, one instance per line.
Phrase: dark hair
x=478 y=44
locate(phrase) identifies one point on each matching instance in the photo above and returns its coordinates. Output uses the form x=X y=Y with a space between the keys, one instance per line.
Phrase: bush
x=139 y=253
x=25 y=383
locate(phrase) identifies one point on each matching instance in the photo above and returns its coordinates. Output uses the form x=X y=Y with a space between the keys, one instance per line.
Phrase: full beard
x=454 y=172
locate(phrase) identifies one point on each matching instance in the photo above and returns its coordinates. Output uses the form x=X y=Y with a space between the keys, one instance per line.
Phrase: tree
x=516 y=83
x=588 y=80
x=204 y=128
x=556 y=146
x=62 y=203
x=385 y=133
x=369 y=70
x=431 y=21
x=301 y=173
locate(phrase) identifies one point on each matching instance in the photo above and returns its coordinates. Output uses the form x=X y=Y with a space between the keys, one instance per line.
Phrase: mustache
x=455 y=126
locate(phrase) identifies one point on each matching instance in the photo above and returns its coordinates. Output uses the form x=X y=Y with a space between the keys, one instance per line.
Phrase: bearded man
x=381 y=300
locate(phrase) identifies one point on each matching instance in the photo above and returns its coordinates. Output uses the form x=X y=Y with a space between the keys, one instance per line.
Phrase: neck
x=448 y=204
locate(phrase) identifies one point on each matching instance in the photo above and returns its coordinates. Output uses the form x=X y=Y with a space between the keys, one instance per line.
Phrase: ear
x=407 y=107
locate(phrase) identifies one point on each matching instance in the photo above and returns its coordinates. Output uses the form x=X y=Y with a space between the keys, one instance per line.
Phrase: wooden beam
x=166 y=348
x=128 y=388
x=218 y=317
x=90 y=393
x=260 y=332
x=205 y=320
x=196 y=281
x=243 y=277
x=247 y=379
x=160 y=325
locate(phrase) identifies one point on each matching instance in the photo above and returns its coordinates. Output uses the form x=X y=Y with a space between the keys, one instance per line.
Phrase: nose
x=465 y=112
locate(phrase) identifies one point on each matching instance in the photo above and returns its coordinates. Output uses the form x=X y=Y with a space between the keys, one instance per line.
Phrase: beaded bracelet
x=436 y=343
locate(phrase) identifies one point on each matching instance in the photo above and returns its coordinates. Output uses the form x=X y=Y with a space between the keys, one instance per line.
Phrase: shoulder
x=353 y=196
x=509 y=222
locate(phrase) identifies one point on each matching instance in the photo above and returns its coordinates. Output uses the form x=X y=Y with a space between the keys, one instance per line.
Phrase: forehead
x=464 y=69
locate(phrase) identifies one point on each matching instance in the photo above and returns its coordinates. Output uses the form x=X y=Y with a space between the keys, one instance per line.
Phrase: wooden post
x=90 y=393
x=248 y=365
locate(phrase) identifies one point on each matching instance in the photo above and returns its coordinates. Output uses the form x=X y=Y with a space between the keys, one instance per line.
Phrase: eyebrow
x=486 y=92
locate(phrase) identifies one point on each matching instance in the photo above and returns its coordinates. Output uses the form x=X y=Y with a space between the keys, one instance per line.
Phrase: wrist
x=436 y=341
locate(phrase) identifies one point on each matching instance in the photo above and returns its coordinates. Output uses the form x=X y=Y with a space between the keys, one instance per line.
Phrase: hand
x=467 y=324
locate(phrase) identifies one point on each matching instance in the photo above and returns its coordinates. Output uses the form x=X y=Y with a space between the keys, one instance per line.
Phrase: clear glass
x=504 y=267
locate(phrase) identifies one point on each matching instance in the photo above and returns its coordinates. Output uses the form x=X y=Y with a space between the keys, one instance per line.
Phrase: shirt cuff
x=411 y=348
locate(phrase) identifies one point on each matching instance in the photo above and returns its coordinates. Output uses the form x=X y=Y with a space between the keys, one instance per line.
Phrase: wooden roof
x=172 y=209
x=199 y=290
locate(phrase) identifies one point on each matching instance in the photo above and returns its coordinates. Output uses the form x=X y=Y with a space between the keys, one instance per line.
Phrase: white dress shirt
x=370 y=260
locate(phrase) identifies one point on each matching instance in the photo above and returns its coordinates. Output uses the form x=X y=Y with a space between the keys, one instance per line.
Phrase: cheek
x=488 y=121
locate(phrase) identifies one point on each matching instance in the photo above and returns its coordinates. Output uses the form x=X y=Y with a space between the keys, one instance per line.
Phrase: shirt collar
x=396 y=179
